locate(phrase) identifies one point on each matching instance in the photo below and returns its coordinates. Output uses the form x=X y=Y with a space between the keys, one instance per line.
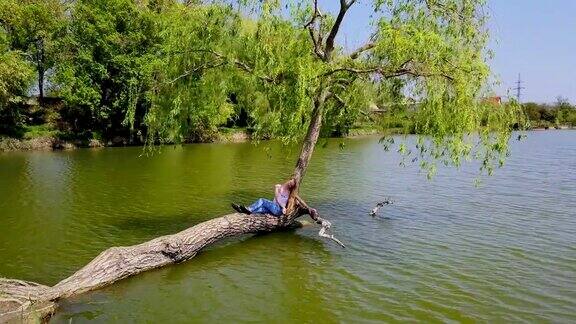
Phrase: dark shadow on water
x=246 y=196
x=150 y=225
x=167 y=224
x=159 y=224
x=162 y=224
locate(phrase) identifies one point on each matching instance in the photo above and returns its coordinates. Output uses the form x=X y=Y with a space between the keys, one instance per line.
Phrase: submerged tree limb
x=21 y=300
x=386 y=201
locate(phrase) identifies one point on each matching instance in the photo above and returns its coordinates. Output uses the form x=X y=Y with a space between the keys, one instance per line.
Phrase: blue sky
x=536 y=38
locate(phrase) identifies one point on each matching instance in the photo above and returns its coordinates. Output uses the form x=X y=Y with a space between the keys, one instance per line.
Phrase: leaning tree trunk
x=20 y=300
x=307 y=148
x=26 y=301
x=311 y=136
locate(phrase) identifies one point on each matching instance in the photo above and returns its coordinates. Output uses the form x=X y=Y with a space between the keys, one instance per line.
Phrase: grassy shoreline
x=52 y=142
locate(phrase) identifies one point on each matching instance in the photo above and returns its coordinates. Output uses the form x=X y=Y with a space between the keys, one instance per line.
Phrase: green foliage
x=108 y=55
x=442 y=44
x=543 y=115
x=430 y=52
x=33 y=27
x=38 y=131
x=15 y=79
x=218 y=62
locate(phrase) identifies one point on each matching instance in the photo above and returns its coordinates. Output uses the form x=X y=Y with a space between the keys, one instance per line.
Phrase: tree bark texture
x=311 y=136
x=21 y=300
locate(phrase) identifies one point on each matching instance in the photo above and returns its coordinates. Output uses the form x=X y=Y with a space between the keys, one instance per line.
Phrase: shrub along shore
x=44 y=130
x=50 y=141
x=227 y=135
x=46 y=141
x=123 y=72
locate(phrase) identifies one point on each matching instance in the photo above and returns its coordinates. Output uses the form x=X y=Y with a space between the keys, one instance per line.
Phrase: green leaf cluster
x=107 y=58
x=16 y=76
x=217 y=61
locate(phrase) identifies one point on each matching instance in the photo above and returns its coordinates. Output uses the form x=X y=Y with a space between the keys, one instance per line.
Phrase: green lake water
x=445 y=251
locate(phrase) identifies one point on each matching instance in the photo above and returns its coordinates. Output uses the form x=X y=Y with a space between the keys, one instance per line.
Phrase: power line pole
x=519 y=88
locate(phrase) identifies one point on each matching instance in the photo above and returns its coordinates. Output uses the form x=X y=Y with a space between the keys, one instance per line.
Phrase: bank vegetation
x=103 y=73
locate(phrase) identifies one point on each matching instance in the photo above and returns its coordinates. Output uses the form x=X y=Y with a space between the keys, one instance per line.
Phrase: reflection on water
x=444 y=251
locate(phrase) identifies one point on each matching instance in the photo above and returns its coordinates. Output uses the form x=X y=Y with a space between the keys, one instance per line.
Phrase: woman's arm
x=277 y=192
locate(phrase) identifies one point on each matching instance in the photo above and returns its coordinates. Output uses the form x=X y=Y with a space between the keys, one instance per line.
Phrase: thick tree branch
x=326 y=231
x=376 y=69
x=360 y=50
x=19 y=298
x=31 y=302
x=311 y=136
x=325 y=225
x=329 y=46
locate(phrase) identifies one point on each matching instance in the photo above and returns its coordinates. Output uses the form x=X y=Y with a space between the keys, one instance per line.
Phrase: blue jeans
x=265 y=206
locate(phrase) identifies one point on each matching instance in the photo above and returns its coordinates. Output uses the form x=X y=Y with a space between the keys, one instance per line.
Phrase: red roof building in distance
x=495 y=100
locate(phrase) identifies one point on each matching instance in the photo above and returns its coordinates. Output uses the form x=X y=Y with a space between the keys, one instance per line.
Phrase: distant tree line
x=560 y=113
x=99 y=66
x=95 y=60
x=176 y=71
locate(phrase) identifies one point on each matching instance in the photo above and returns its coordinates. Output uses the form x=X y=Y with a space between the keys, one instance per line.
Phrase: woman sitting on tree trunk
x=265 y=206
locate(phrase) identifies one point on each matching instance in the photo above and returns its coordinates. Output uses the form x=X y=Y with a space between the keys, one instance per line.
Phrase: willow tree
x=285 y=65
